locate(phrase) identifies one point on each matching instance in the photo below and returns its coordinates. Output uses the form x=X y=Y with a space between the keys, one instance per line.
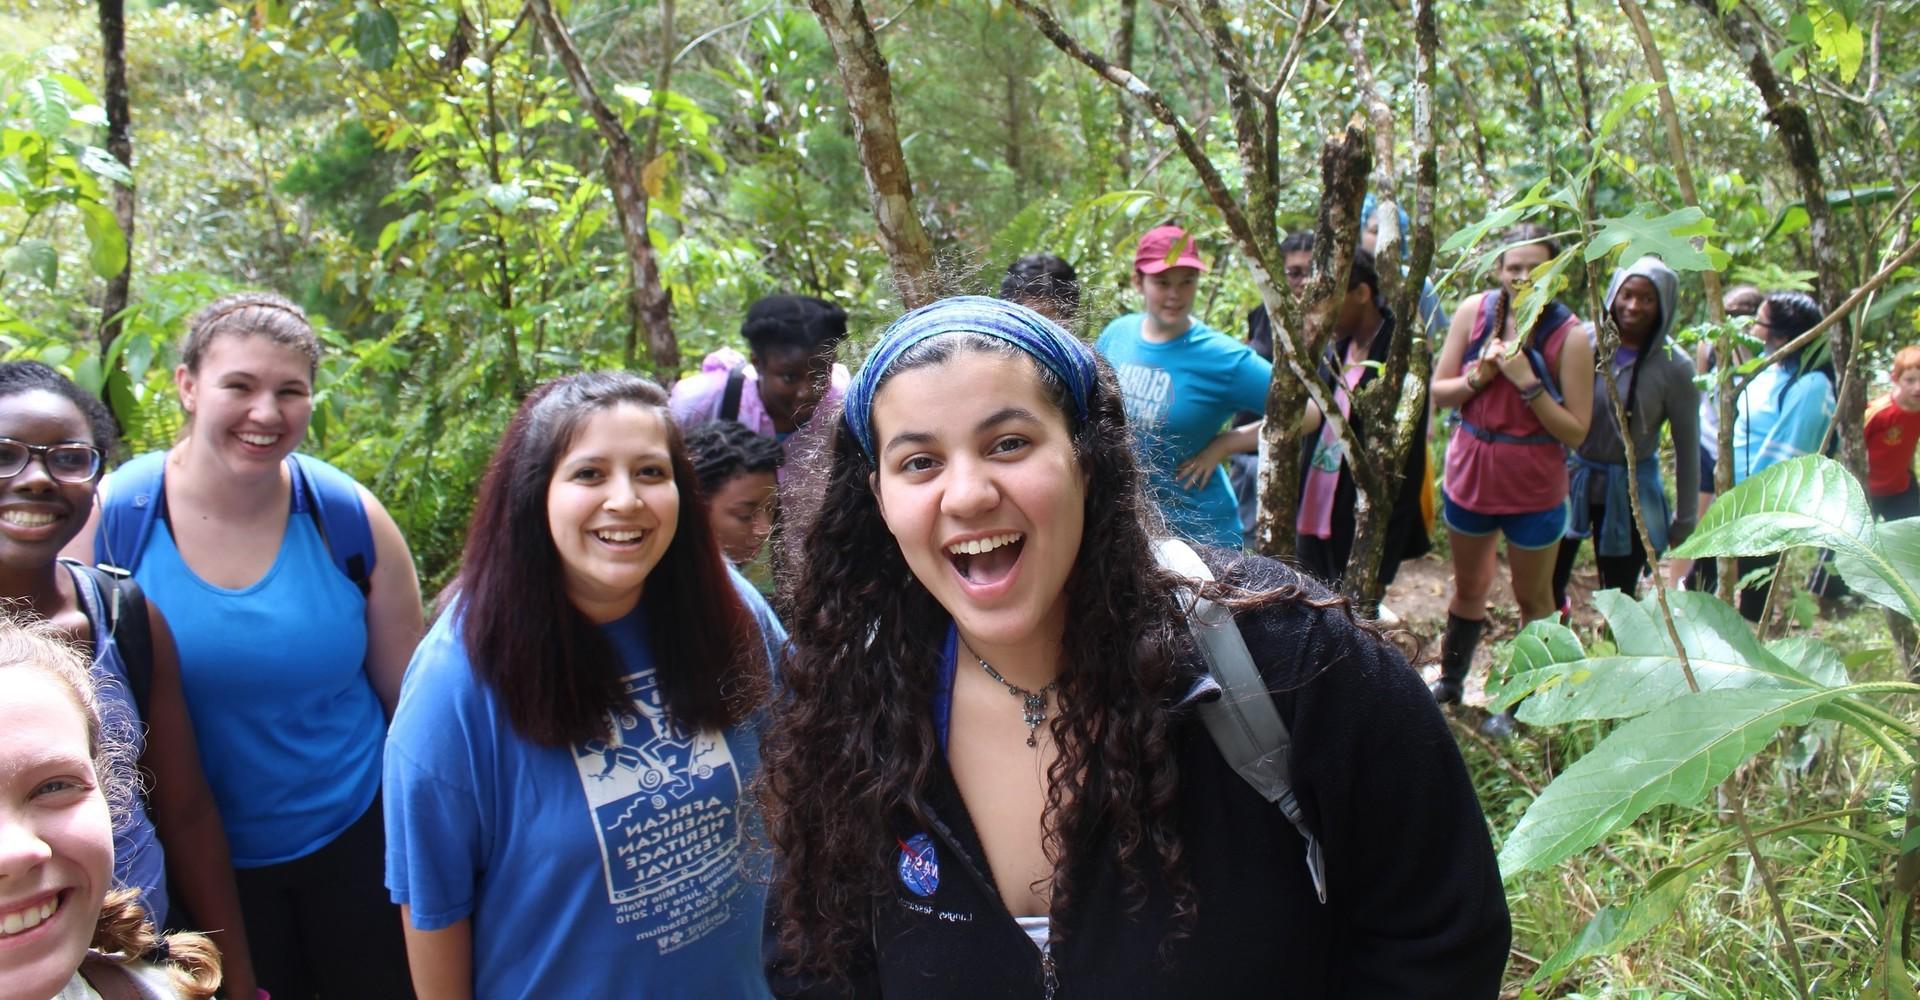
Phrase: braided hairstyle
x=257 y=314
x=1525 y=232
x=724 y=449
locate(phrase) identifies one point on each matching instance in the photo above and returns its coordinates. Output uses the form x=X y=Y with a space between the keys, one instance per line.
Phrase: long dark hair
x=554 y=671
x=852 y=744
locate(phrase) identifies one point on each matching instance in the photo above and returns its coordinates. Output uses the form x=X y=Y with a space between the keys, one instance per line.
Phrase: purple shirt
x=696 y=400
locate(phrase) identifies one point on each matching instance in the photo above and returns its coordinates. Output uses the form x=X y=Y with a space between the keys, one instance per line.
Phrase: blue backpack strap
x=332 y=499
x=134 y=498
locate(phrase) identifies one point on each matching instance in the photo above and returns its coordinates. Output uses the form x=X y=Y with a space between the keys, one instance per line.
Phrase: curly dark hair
x=18 y=377
x=852 y=743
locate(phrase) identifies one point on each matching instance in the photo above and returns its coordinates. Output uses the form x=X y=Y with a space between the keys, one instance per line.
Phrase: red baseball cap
x=1156 y=251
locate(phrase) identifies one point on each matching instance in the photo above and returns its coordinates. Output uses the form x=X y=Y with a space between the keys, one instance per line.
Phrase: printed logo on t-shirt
x=1147 y=393
x=664 y=808
x=919 y=866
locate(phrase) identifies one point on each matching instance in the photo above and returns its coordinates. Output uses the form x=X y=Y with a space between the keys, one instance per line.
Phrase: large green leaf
x=1899 y=542
x=48 y=106
x=1811 y=500
x=1540 y=288
x=1669 y=237
x=107 y=245
x=1673 y=755
x=1812 y=659
x=376 y=36
x=1721 y=651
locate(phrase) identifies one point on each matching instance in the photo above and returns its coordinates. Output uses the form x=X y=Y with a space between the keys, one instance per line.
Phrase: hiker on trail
x=567 y=771
x=1296 y=255
x=1364 y=330
x=1045 y=284
x=1656 y=389
x=1893 y=429
x=294 y=606
x=736 y=469
x=1522 y=398
x=1736 y=302
x=1182 y=380
x=1782 y=414
x=54 y=437
x=72 y=928
x=1030 y=798
x=787 y=374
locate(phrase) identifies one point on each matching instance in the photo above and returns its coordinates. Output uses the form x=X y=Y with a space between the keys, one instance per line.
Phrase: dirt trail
x=1419 y=596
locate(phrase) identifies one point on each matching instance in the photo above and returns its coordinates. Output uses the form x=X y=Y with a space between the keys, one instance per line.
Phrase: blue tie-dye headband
x=1066 y=357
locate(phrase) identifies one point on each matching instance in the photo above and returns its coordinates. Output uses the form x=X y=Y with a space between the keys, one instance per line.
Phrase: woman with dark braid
x=986 y=774
x=1521 y=399
x=294 y=606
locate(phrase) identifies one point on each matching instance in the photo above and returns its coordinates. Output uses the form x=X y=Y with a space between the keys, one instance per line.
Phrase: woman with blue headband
x=986 y=775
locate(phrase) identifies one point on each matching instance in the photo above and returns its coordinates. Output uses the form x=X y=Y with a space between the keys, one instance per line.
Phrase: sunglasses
x=66 y=463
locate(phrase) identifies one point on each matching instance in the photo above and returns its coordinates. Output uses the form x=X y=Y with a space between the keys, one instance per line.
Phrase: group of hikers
x=993 y=743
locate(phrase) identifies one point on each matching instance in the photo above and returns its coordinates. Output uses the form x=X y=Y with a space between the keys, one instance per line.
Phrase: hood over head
x=1664 y=281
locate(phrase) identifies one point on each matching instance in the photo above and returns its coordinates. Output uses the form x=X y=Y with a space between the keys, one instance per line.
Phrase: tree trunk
x=649 y=305
x=1803 y=156
x=863 y=74
x=1345 y=160
x=113 y=49
x=1123 y=58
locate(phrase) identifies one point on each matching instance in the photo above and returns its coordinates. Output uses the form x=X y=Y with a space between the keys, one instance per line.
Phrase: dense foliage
x=424 y=178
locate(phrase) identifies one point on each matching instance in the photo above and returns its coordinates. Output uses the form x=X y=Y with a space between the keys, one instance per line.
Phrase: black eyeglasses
x=66 y=463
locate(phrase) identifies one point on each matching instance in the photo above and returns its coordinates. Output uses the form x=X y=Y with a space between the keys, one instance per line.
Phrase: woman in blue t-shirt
x=566 y=770
x=54 y=437
x=290 y=660
x=1182 y=382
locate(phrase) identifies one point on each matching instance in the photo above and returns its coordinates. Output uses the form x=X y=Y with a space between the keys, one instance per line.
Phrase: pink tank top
x=1500 y=477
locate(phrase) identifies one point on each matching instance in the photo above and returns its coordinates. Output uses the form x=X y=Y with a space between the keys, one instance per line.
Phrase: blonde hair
x=123 y=933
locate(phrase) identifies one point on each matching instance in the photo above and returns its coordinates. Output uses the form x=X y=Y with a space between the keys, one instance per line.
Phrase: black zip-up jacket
x=1414 y=904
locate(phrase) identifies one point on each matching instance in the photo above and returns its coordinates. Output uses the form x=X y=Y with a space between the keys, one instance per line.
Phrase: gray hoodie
x=1665 y=393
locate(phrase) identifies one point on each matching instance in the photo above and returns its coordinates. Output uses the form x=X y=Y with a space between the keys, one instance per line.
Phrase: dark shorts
x=1707 y=462
x=1538 y=529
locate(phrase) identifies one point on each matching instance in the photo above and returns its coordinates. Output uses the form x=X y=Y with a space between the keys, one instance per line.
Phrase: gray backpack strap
x=1243 y=721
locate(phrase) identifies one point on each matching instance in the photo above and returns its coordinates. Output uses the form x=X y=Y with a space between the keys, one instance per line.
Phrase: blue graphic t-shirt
x=1178 y=396
x=617 y=867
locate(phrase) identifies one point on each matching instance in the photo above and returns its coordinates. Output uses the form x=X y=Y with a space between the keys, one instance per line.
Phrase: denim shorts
x=1537 y=530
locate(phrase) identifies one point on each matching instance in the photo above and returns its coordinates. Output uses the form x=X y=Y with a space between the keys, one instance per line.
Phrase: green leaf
x=1669 y=237
x=1720 y=648
x=1838 y=40
x=47 y=105
x=1498 y=219
x=1673 y=755
x=1811 y=500
x=35 y=258
x=376 y=37
x=1616 y=927
x=1812 y=659
x=1899 y=542
x=103 y=165
x=1540 y=288
x=1628 y=100
x=107 y=245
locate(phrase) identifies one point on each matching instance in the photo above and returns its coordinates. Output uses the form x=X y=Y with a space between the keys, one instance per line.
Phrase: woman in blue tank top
x=53 y=436
x=291 y=669
x=567 y=776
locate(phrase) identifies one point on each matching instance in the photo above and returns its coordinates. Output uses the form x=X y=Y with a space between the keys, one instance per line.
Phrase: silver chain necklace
x=1033 y=704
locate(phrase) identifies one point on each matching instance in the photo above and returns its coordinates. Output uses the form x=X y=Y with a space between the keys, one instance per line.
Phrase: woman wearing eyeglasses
x=294 y=606
x=53 y=436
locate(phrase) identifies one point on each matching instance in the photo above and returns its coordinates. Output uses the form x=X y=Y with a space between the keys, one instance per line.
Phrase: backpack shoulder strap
x=131 y=500
x=730 y=398
x=332 y=499
x=1243 y=721
x=117 y=603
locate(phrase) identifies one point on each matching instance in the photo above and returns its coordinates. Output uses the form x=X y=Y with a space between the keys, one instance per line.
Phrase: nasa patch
x=919 y=866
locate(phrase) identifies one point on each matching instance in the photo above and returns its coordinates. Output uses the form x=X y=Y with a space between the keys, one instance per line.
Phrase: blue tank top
x=138 y=861
x=289 y=727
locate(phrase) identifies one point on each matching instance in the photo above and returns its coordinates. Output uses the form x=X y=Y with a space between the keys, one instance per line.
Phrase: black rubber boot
x=1456 y=657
